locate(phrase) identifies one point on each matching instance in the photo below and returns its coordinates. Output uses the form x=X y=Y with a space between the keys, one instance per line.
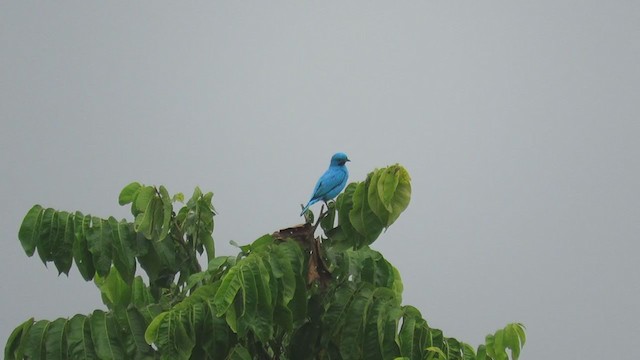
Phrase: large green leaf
x=63 y=253
x=416 y=339
x=29 y=232
x=352 y=333
x=366 y=208
x=81 y=254
x=51 y=233
x=215 y=337
x=379 y=339
x=347 y=237
x=80 y=343
x=123 y=248
x=105 y=336
x=100 y=245
x=153 y=211
x=115 y=291
x=172 y=332
x=367 y=265
x=14 y=349
x=387 y=185
x=127 y=195
x=167 y=209
x=56 y=342
x=231 y=284
x=141 y=199
x=36 y=340
x=394 y=190
x=373 y=197
x=362 y=217
x=467 y=352
x=239 y=352
x=511 y=337
x=140 y=294
x=196 y=219
x=48 y=234
x=132 y=321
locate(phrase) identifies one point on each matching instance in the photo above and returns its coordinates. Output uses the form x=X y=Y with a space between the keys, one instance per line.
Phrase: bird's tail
x=311 y=202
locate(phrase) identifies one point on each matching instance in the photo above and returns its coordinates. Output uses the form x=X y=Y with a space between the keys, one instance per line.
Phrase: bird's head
x=339 y=159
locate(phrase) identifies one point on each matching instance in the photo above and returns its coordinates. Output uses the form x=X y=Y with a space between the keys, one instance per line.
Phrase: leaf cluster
x=366 y=208
x=264 y=303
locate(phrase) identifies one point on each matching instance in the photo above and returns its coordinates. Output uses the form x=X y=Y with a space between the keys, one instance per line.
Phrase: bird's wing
x=330 y=180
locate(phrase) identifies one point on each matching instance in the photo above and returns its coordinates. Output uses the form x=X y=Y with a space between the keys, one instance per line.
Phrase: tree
x=287 y=295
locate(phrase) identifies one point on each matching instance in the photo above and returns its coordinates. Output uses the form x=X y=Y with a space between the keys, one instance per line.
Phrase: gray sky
x=518 y=122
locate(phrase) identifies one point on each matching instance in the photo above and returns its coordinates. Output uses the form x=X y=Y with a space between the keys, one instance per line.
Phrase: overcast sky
x=518 y=122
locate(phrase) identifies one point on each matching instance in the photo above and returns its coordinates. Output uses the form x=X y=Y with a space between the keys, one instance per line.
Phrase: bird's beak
x=347 y=159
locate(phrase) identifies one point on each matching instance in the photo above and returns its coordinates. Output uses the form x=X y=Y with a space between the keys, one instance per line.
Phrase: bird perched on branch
x=331 y=182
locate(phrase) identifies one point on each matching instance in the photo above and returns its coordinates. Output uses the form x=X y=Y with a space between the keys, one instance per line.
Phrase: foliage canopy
x=286 y=295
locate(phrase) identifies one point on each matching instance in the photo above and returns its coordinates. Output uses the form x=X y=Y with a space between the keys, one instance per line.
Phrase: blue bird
x=331 y=182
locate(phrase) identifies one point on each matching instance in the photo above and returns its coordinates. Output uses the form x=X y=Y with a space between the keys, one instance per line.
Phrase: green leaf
x=407 y=332
x=435 y=351
x=178 y=197
x=362 y=218
x=249 y=298
x=335 y=315
x=373 y=197
x=231 y=284
x=387 y=184
x=511 y=337
x=80 y=343
x=140 y=294
x=329 y=220
x=114 y=288
x=29 y=232
x=173 y=339
x=151 y=334
x=167 y=210
x=414 y=336
x=262 y=323
x=63 y=253
x=216 y=263
x=14 y=349
x=262 y=243
x=56 y=342
x=239 y=353
x=283 y=270
x=521 y=333
x=100 y=245
x=36 y=340
x=379 y=340
x=352 y=333
x=395 y=191
x=344 y=204
x=131 y=321
x=482 y=353
x=142 y=199
x=467 y=352
x=453 y=349
x=123 y=248
x=217 y=338
x=48 y=233
x=81 y=254
x=128 y=193
x=146 y=220
x=197 y=193
x=104 y=335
